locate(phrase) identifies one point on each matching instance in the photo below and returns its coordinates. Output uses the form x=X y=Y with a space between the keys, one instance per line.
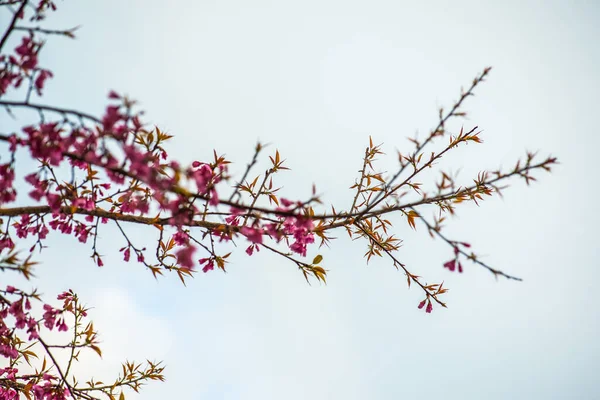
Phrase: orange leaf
x=411 y=215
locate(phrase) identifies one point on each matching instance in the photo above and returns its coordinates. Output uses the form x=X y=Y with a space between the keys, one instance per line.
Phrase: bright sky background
x=315 y=79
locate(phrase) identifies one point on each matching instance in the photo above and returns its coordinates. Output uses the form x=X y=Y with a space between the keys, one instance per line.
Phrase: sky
x=315 y=79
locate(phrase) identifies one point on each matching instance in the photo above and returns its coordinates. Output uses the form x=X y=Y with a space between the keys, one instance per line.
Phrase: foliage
x=85 y=172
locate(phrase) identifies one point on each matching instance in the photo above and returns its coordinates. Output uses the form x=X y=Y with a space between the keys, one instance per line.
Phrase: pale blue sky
x=315 y=79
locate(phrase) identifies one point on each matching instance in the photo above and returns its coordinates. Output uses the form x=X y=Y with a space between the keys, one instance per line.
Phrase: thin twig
x=469 y=256
x=12 y=24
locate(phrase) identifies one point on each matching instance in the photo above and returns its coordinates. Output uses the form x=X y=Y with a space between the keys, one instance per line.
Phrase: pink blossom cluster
x=51 y=143
x=60 y=222
x=296 y=226
x=22 y=64
x=15 y=68
x=20 y=311
x=185 y=257
x=206 y=178
x=296 y=229
x=86 y=148
x=7 y=392
x=181 y=207
x=299 y=227
x=42 y=389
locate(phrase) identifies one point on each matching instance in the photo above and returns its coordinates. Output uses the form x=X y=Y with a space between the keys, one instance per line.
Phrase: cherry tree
x=73 y=173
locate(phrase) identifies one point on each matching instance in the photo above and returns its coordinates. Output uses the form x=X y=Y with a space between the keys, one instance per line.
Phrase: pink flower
x=16 y=310
x=254 y=235
x=63 y=296
x=429 y=307
x=300 y=228
x=202 y=176
x=184 y=257
x=210 y=265
x=111 y=117
x=32 y=179
x=41 y=80
x=7 y=79
x=233 y=220
x=273 y=231
x=14 y=142
x=7 y=191
x=286 y=202
x=82 y=232
x=43 y=232
x=8 y=352
x=85 y=203
x=180 y=238
x=26 y=50
x=6 y=243
x=62 y=326
x=48 y=377
x=54 y=202
x=49 y=316
x=451 y=265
